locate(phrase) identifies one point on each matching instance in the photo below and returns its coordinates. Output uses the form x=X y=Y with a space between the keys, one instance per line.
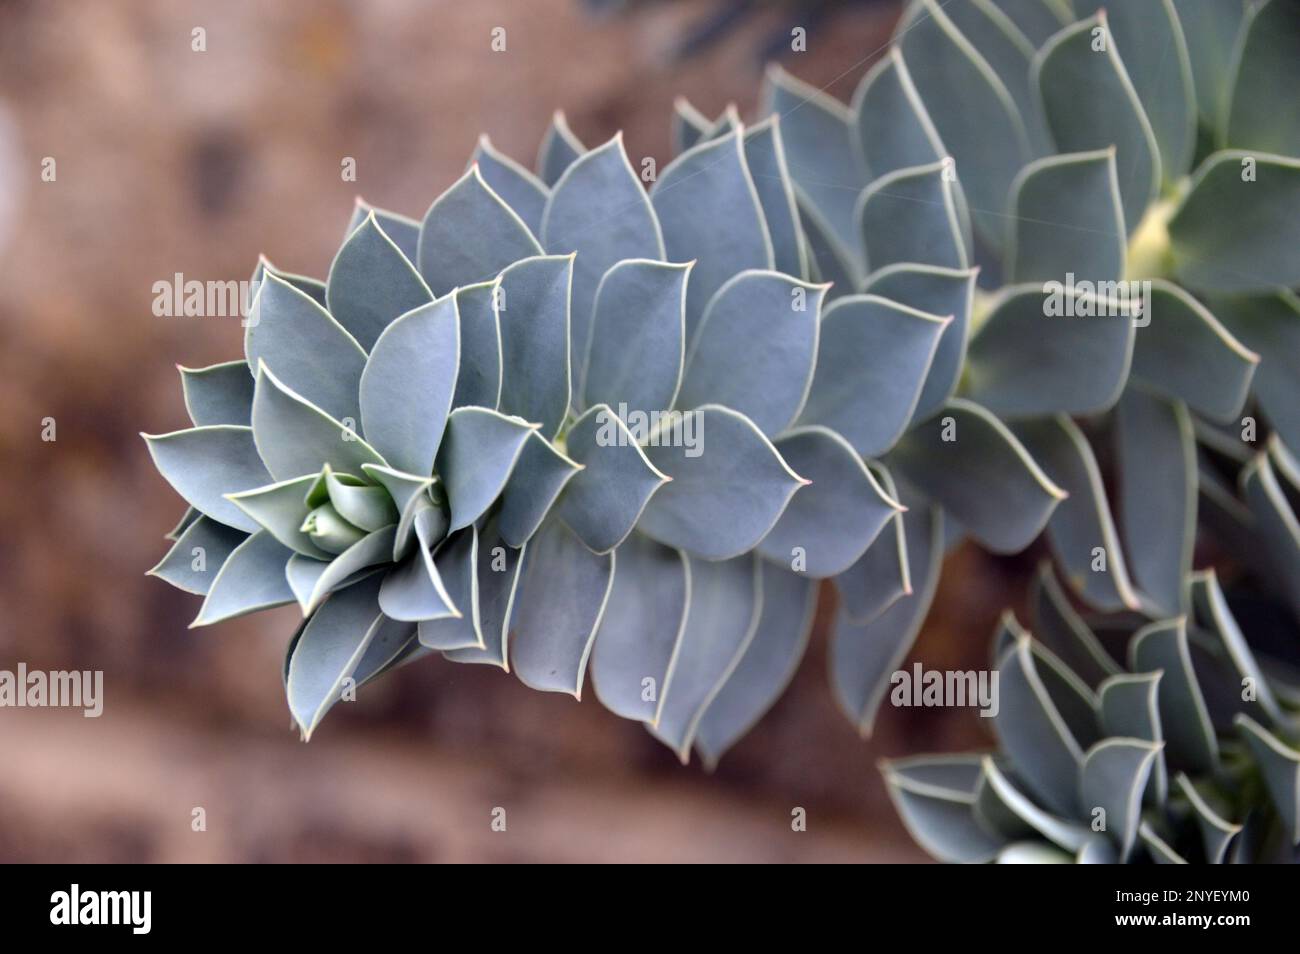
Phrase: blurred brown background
x=170 y=160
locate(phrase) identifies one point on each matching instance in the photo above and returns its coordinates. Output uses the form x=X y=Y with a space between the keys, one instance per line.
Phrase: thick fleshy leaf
x=295 y=437
x=689 y=124
x=725 y=606
x=1260 y=195
x=710 y=212
x=728 y=484
x=1081 y=529
x=313 y=288
x=476 y=458
x=413 y=589
x=187 y=518
x=562 y=594
x=403 y=230
x=218 y=394
x=1003 y=808
x=1160 y=851
x=1216 y=831
x=982 y=127
x=829 y=261
x=766 y=668
x=281 y=508
x=251 y=579
x=1184 y=352
x=1113 y=777
x=604 y=500
x=893 y=129
x=599 y=209
x=1050 y=349
x=520 y=189
x=305 y=347
x=313 y=580
x=880 y=577
x=1030 y=728
x=1037 y=19
x=408 y=383
x=534 y=315
x=1280 y=764
x=392 y=644
x=1162 y=647
x=829 y=524
x=818 y=136
x=935 y=291
x=1157 y=495
x=755 y=348
x=371 y=283
x=498 y=576
x=642 y=626
x=1008 y=53
x=1260 y=114
x=1277 y=522
x=1128 y=706
x=536 y=481
x=1067 y=219
x=558 y=150
x=967 y=461
x=1211 y=32
x=1269 y=324
x=940 y=818
x=329 y=650
x=469 y=235
x=363 y=505
x=1062 y=630
x=1090 y=104
x=203 y=464
x=1074 y=700
x=478 y=379
x=910 y=215
x=457 y=564
x=872 y=362
x=198 y=554
x=863 y=656
x=410 y=495
x=1163 y=83
x=637 y=337
x=765 y=156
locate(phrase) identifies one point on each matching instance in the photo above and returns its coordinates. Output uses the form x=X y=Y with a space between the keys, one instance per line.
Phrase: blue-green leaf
x=413 y=589
x=1211 y=30
x=1128 y=706
x=766 y=668
x=1157 y=495
x=478 y=453
x=1183 y=352
x=604 y=500
x=1261 y=113
x=1162 y=647
x=1113 y=777
x=765 y=156
x=641 y=628
x=410 y=495
x=498 y=576
x=251 y=579
x=880 y=577
x=559 y=148
x=295 y=437
x=306 y=348
x=872 y=362
x=935 y=291
x=709 y=211
x=1051 y=349
x=1037 y=19
x=1260 y=195
x=829 y=524
x=600 y=211
x=754 y=349
x=203 y=464
x=940 y=817
x=469 y=235
x=637 y=337
x=1281 y=768
x=371 y=282
x=478 y=379
x=1277 y=526
x=536 y=481
x=218 y=394
x=910 y=215
x=1269 y=324
x=281 y=508
x=893 y=129
x=725 y=606
x=1067 y=219
x=689 y=125
x=408 y=383
x=1217 y=832
x=562 y=594
x=403 y=230
x=520 y=189
x=457 y=564
x=1090 y=104
x=198 y=554
x=728 y=484
x=313 y=580
x=534 y=314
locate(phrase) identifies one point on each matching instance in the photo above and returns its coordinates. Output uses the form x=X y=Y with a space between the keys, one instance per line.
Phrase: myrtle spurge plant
x=1035 y=274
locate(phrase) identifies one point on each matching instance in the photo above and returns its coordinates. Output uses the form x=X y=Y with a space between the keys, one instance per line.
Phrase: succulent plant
x=1122 y=185
x=552 y=427
x=1180 y=745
